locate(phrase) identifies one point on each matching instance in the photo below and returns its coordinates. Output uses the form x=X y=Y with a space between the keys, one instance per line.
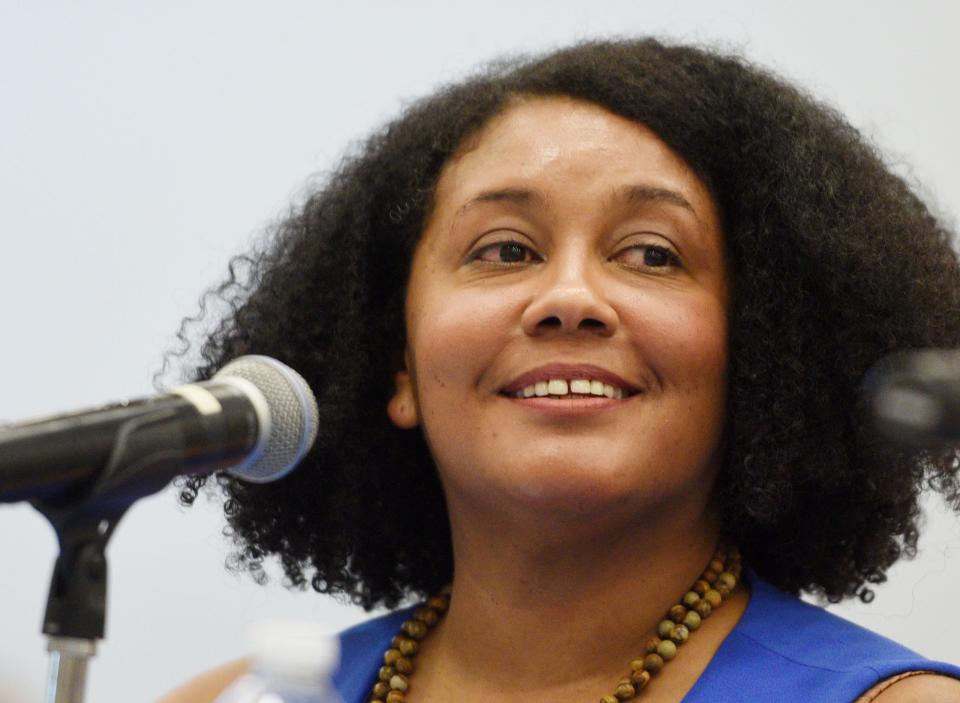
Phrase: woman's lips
x=570 y=406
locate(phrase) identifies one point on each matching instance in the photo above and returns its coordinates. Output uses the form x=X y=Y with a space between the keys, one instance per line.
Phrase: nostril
x=554 y=321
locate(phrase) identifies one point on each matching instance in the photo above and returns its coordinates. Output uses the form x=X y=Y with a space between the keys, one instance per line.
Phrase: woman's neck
x=532 y=611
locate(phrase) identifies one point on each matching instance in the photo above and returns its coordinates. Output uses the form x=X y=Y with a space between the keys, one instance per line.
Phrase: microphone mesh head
x=292 y=421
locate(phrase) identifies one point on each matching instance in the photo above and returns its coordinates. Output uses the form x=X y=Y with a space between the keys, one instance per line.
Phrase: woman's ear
x=402 y=407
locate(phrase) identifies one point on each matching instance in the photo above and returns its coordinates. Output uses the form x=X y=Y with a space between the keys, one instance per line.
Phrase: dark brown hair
x=835 y=264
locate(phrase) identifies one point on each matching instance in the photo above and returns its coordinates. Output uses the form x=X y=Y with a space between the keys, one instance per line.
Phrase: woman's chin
x=580 y=498
x=568 y=494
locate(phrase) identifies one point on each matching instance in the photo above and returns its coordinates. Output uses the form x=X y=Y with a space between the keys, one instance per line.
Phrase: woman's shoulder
x=789 y=650
x=810 y=635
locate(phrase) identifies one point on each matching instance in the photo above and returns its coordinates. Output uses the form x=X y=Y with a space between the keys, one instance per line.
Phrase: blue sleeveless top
x=782 y=649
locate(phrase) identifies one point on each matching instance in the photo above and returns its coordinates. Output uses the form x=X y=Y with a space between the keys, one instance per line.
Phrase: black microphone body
x=256 y=418
x=913 y=397
x=59 y=457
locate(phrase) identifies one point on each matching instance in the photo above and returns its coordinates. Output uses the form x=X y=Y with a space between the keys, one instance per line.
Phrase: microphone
x=256 y=419
x=913 y=397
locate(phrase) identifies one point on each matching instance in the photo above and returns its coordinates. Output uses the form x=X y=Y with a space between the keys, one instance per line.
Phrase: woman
x=617 y=302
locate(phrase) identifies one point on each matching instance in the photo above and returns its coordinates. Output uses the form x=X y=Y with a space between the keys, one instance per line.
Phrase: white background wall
x=141 y=144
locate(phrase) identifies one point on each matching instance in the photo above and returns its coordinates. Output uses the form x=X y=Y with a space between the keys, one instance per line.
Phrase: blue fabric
x=782 y=650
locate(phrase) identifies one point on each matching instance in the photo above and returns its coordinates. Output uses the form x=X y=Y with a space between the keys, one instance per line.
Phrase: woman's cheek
x=467 y=326
x=683 y=340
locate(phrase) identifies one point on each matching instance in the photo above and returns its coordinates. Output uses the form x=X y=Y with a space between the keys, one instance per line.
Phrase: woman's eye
x=653 y=256
x=502 y=253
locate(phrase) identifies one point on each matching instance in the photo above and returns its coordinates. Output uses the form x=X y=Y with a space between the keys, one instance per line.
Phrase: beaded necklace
x=707 y=594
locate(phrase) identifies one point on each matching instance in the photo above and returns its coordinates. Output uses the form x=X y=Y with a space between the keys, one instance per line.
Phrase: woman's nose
x=570 y=302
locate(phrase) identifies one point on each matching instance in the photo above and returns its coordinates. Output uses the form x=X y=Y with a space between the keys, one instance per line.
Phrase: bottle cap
x=294 y=650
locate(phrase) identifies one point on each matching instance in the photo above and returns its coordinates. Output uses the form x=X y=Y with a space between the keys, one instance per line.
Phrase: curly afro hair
x=835 y=264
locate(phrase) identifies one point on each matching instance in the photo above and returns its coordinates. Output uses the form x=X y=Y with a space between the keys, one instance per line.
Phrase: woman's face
x=567 y=235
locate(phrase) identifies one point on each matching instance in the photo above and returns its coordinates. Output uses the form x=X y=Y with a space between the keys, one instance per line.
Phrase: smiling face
x=567 y=235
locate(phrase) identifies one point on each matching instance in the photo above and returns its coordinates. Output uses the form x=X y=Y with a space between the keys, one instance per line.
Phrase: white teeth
x=563 y=387
x=579 y=386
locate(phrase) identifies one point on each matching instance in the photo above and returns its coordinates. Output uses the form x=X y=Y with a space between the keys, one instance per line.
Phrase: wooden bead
x=692 y=621
x=652 y=645
x=439 y=603
x=716 y=565
x=680 y=634
x=667 y=650
x=703 y=609
x=636 y=664
x=381 y=689
x=416 y=629
x=677 y=613
x=391 y=655
x=403 y=666
x=690 y=599
x=396 y=697
x=428 y=616
x=407 y=646
x=700 y=587
x=625 y=691
x=727 y=579
x=386 y=673
x=723 y=590
x=399 y=682
x=710 y=576
x=653 y=663
x=713 y=598
x=665 y=628
x=609 y=699
x=640 y=679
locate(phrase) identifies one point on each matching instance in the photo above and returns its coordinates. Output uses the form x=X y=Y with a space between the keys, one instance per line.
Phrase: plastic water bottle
x=293 y=662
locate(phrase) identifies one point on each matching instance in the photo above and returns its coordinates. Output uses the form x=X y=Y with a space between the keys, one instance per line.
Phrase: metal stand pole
x=67 y=678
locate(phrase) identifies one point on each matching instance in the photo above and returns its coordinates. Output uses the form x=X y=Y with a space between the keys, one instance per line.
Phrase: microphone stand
x=84 y=522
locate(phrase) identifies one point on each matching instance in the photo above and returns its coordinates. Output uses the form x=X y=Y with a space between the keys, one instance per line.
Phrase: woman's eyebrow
x=634 y=195
x=515 y=196
x=642 y=194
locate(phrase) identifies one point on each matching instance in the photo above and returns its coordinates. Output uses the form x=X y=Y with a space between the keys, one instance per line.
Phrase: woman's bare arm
x=207 y=686
x=914 y=686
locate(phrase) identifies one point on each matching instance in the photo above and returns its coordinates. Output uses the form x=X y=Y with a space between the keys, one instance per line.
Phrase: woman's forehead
x=541 y=142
